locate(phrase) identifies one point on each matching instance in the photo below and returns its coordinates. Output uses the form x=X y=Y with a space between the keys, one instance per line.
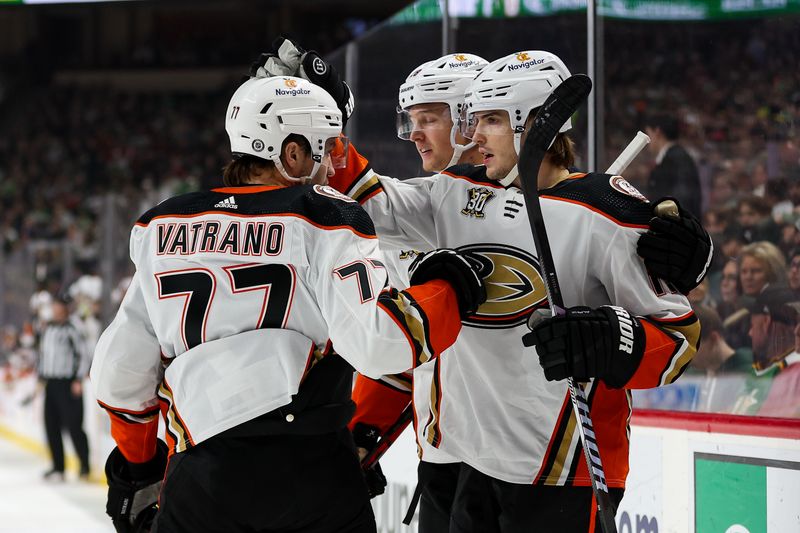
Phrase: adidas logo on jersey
x=227 y=203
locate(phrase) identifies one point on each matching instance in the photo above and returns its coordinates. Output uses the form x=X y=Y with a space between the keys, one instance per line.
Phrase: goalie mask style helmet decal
x=443 y=80
x=263 y=112
x=517 y=84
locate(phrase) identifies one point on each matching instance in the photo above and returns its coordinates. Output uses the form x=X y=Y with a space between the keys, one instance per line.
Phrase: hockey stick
x=665 y=208
x=557 y=109
x=388 y=437
x=630 y=152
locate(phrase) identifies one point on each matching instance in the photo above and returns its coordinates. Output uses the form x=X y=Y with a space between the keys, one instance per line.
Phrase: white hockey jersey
x=238 y=292
x=486 y=401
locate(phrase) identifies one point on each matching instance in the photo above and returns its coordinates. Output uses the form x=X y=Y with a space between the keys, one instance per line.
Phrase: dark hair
x=757 y=204
x=241 y=169
x=562 y=151
x=668 y=125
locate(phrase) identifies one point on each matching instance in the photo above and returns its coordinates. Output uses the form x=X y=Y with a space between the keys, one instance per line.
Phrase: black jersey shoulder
x=327 y=207
x=322 y=206
x=610 y=195
x=473 y=173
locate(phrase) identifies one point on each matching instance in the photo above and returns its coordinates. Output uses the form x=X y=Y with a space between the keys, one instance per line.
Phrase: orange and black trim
x=134 y=432
x=433 y=431
x=178 y=437
x=593 y=191
x=427 y=315
x=558 y=447
x=396 y=305
x=377 y=404
x=305 y=202
x=670 y=344
x=473 y=174
x=400 y=382
x=351 y=180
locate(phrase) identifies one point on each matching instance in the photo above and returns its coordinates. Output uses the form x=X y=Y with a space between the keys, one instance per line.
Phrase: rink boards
x=690 y=472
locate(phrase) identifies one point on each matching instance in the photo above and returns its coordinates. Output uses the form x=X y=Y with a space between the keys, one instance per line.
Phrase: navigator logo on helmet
x=442 y=80
x=517 y=84
x=262 y=113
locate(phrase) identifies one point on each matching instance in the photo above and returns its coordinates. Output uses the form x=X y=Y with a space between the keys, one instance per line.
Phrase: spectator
x=731 y=308
x=675 y=173
x=760 y=263
x=775 y=333
x=755 y=220
x=794 y=272
x=723 y=367
x=63 y=364
x=732 y=242
x=723 y=191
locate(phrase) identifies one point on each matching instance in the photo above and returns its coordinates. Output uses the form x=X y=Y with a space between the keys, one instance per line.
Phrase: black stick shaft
x=556 y=110
x=388 y=438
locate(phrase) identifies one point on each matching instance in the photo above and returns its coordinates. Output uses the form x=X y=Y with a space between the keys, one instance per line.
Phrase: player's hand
x=309 y=65
x=268 y=65
x=365 y=438
x=677 y=250
x=605 y=343
x=133 y=490
x=459 y=269
x=288 y=58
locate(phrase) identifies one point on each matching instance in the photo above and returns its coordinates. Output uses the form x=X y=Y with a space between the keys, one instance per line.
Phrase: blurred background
x=107 y=108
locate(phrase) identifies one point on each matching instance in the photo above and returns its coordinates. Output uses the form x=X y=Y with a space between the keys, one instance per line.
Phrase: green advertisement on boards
x=734 y=494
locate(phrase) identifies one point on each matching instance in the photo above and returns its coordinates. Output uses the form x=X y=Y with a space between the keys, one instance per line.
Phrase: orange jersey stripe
x=248 y=189
x=377 y=404
x=438 y=301
x=294 y=215
x=592 y=208
x=344 y=178
x=660 y=348
x=137 y=442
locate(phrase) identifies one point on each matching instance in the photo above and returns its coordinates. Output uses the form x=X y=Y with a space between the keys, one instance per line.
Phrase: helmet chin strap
x=514 y=172
x=303 y=180
x=458 y=149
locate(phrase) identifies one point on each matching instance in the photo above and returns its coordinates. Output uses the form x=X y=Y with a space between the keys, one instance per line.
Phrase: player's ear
x=292 y=157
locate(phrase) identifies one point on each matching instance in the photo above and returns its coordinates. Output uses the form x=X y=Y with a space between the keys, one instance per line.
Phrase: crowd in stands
x=739 y=112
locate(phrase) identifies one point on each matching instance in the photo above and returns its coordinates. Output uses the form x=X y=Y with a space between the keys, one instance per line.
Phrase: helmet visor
x=488 y=123
x=337 y=149
x=423 y=118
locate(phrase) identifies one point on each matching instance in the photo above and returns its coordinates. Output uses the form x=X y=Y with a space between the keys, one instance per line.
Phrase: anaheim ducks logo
x=290 y=83
x=622 y=185
x=460 y=57
x=514 y=286
x=523 y=56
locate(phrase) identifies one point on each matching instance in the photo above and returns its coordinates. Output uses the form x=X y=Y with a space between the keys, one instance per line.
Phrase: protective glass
x=423 y=118
x=488 y=123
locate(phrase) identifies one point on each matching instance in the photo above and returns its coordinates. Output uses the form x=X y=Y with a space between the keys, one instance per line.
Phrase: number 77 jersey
x=238 y=293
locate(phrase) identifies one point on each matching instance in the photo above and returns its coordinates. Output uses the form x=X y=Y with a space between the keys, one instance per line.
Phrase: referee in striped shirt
x=63 y=363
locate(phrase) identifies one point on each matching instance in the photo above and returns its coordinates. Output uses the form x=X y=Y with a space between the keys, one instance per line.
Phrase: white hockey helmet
x=443 y=80
x=517 y=84
x=263 y=112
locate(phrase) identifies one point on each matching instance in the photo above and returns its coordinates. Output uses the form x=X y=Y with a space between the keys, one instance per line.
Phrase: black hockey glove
x=677 y=250
x=289 y=59
x=461 y=270
x=367 y=437
x=605 y=343
x=133 y=490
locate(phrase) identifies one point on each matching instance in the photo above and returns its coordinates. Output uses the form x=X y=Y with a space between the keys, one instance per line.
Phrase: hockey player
x=429 y=105
x=492 y=405
x=228 y=326
x=676 y=250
